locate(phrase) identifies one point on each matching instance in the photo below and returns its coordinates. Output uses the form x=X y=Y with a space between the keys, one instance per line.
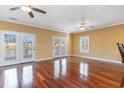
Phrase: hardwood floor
x=71 y=72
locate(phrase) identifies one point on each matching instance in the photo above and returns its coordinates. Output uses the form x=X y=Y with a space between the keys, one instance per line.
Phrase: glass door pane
x=63 y=47
x=60 y=47
x=10 y=47
x=28 y=47
x=57 y=46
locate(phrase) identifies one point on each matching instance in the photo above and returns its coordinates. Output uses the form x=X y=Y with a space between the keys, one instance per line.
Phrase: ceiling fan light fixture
x=82 y=28
x=26 y=8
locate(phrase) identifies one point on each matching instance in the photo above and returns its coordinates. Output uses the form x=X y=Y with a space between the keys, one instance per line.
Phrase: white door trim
x=34 y=46
x=3 y=62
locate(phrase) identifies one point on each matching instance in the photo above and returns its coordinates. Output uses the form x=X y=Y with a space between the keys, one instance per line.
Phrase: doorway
x=59 y=47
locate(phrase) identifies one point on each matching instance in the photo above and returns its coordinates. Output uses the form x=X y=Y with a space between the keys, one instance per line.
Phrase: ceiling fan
x=85 y=26
x=29 y=9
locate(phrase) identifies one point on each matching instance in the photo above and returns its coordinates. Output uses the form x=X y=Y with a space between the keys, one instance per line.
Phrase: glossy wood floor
x=71 y=72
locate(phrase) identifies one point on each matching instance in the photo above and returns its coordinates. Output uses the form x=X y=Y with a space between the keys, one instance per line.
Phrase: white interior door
x=59 y=46
x=16 y=47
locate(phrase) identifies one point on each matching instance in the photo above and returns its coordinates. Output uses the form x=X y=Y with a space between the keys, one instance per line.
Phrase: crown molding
x=35 y=26
x=97 y=28
x=53 y=29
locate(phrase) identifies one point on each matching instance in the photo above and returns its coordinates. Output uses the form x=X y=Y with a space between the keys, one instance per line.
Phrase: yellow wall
x=43 y=37
x=69 y=36
x=102 y=42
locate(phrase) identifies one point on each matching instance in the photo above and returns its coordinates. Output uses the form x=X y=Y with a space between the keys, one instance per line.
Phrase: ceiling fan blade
x=38 y=10
x=31 y=14
x=14 y=8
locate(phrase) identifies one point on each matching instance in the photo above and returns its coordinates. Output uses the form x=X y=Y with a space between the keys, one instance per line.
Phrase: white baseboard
x=49 y=58
x=60 y=56
x=70 y=55
x=89 y=57
x=43 y=59
x=101 y=59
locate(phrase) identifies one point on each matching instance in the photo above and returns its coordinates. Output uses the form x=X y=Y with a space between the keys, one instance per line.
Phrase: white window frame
x=81 y=49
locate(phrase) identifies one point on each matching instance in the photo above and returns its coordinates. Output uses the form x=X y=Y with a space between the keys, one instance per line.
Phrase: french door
x=28 y=47
x=16 y=47
x=59 y=46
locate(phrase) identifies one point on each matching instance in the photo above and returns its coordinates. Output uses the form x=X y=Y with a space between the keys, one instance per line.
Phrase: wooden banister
x=121 y=49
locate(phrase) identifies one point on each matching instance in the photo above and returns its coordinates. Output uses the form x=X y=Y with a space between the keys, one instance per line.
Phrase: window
x=84 y=44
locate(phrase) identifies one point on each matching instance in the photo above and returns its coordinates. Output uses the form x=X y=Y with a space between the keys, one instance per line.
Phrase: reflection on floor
x=62 y=72
x=27 y=75
x=17 y=76
x=10 y=76
x=83 y=70
x=60 y=68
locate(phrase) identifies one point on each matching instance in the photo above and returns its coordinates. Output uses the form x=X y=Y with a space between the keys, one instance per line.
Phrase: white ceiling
x=67 y=18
